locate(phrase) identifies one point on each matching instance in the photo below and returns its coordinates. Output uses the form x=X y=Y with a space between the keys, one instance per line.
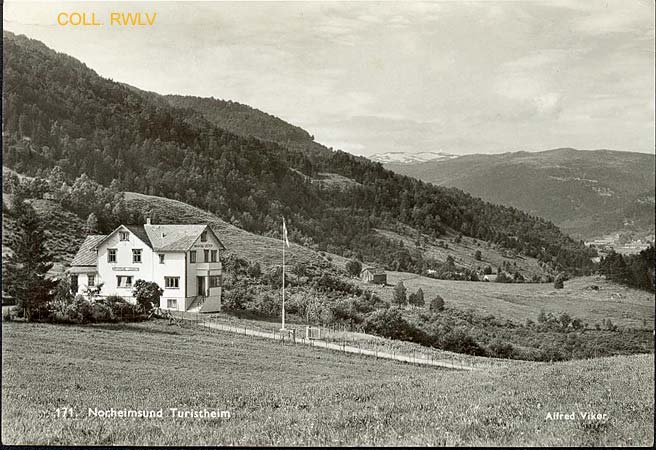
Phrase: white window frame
x=137 y=252
x=203 y=236
x=174 y=281
x=192 y=257
x=172 y=303
x=124 y=236
x=112 y=252
x=206 y=256
x=214 y=255
x=161 y=258
x=91 y=280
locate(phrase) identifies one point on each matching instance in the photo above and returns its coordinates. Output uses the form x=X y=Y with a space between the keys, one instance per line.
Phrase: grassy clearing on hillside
x=464 y=251
x=626 y=307
x=256 y=248
x=283 y=395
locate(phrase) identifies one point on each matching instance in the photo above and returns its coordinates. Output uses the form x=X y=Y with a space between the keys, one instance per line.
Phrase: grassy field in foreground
x=626 y=307
x=298 y=395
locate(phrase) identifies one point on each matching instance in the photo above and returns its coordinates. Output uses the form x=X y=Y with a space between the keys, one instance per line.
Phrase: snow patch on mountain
x=410 y=158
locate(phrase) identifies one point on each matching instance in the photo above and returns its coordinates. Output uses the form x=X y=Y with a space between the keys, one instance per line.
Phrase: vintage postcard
x=328 y=223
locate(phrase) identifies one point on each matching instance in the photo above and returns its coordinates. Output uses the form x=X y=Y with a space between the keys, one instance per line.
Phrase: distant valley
x=588 y=194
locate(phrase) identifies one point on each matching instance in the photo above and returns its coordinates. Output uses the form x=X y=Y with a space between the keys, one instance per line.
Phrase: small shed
x=373 y=275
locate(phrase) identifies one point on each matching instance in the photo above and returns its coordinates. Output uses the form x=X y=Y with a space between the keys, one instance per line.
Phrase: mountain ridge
x=587 y=192
x=409 y=157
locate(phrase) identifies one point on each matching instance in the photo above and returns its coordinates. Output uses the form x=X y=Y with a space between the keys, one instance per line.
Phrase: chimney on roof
x=147 y=220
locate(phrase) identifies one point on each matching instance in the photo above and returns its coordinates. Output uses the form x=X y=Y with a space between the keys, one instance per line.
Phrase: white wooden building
x=184 y=260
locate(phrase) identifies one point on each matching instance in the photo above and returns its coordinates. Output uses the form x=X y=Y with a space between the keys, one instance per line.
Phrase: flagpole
x=283 y=273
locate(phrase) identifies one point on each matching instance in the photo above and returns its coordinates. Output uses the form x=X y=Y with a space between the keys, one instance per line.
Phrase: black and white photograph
x=328 y=224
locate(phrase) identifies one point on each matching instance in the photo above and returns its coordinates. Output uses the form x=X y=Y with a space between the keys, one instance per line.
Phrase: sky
x=375 y=77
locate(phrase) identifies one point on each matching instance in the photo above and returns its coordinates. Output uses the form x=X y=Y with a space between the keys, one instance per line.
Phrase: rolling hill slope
x=265 y=250
x=586 y=193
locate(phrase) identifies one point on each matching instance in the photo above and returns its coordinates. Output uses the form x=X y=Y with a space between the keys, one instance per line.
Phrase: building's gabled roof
x=374 y=270
x=86 y=255
x=164 y=238
x=176 y=237
x=137 y=230
x=140 y=232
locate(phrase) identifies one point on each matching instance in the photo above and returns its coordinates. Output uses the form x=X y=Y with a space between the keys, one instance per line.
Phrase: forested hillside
x=243 y=120
x=59 y=114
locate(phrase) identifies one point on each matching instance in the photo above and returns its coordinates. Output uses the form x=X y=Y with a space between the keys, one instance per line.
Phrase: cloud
x=412 y=76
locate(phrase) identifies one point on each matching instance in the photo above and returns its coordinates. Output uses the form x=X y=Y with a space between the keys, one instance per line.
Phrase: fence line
x=417 y=358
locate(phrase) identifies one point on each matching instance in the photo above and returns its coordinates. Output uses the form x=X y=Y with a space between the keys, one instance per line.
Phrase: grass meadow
x=297 y=395
x=626 y=307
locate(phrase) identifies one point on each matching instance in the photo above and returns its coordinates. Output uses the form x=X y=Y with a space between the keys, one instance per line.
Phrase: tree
x=437 y=304
x=417 y=298
x=478 y=256
x=559 y=281
x=565 y=319
x=388 y=323
x=354 y=267
x=254 y=270
x=91 y=226
x=542 y=317
x=400 y=294
x=502 y=277
x=25 y=271
x=487 y=270
x=147 y=294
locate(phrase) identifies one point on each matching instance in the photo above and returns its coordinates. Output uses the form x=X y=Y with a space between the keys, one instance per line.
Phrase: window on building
x=123 y=236
x=203 y=236
x=192 y=256
x=91 y=280
x=123 y=281
x=172 y=303
x=136 y=255
x=111 y=255
x=206 y=255
x=161 y=258
x=215 y=281
x=74 y=285
x=172 y=282
x=213 y=254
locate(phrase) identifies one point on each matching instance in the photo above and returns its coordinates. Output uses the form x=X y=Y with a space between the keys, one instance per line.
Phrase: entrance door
x=201 y=286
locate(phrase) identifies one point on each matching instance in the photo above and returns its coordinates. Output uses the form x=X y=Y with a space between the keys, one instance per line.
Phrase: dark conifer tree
x=25 y=271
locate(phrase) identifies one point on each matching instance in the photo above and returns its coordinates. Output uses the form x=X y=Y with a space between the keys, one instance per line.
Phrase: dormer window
x=203 y=236
x=123 y=236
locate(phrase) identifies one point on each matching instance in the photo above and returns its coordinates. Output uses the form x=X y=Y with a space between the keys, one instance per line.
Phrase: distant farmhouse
x=373 y=275
x=184 y=260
